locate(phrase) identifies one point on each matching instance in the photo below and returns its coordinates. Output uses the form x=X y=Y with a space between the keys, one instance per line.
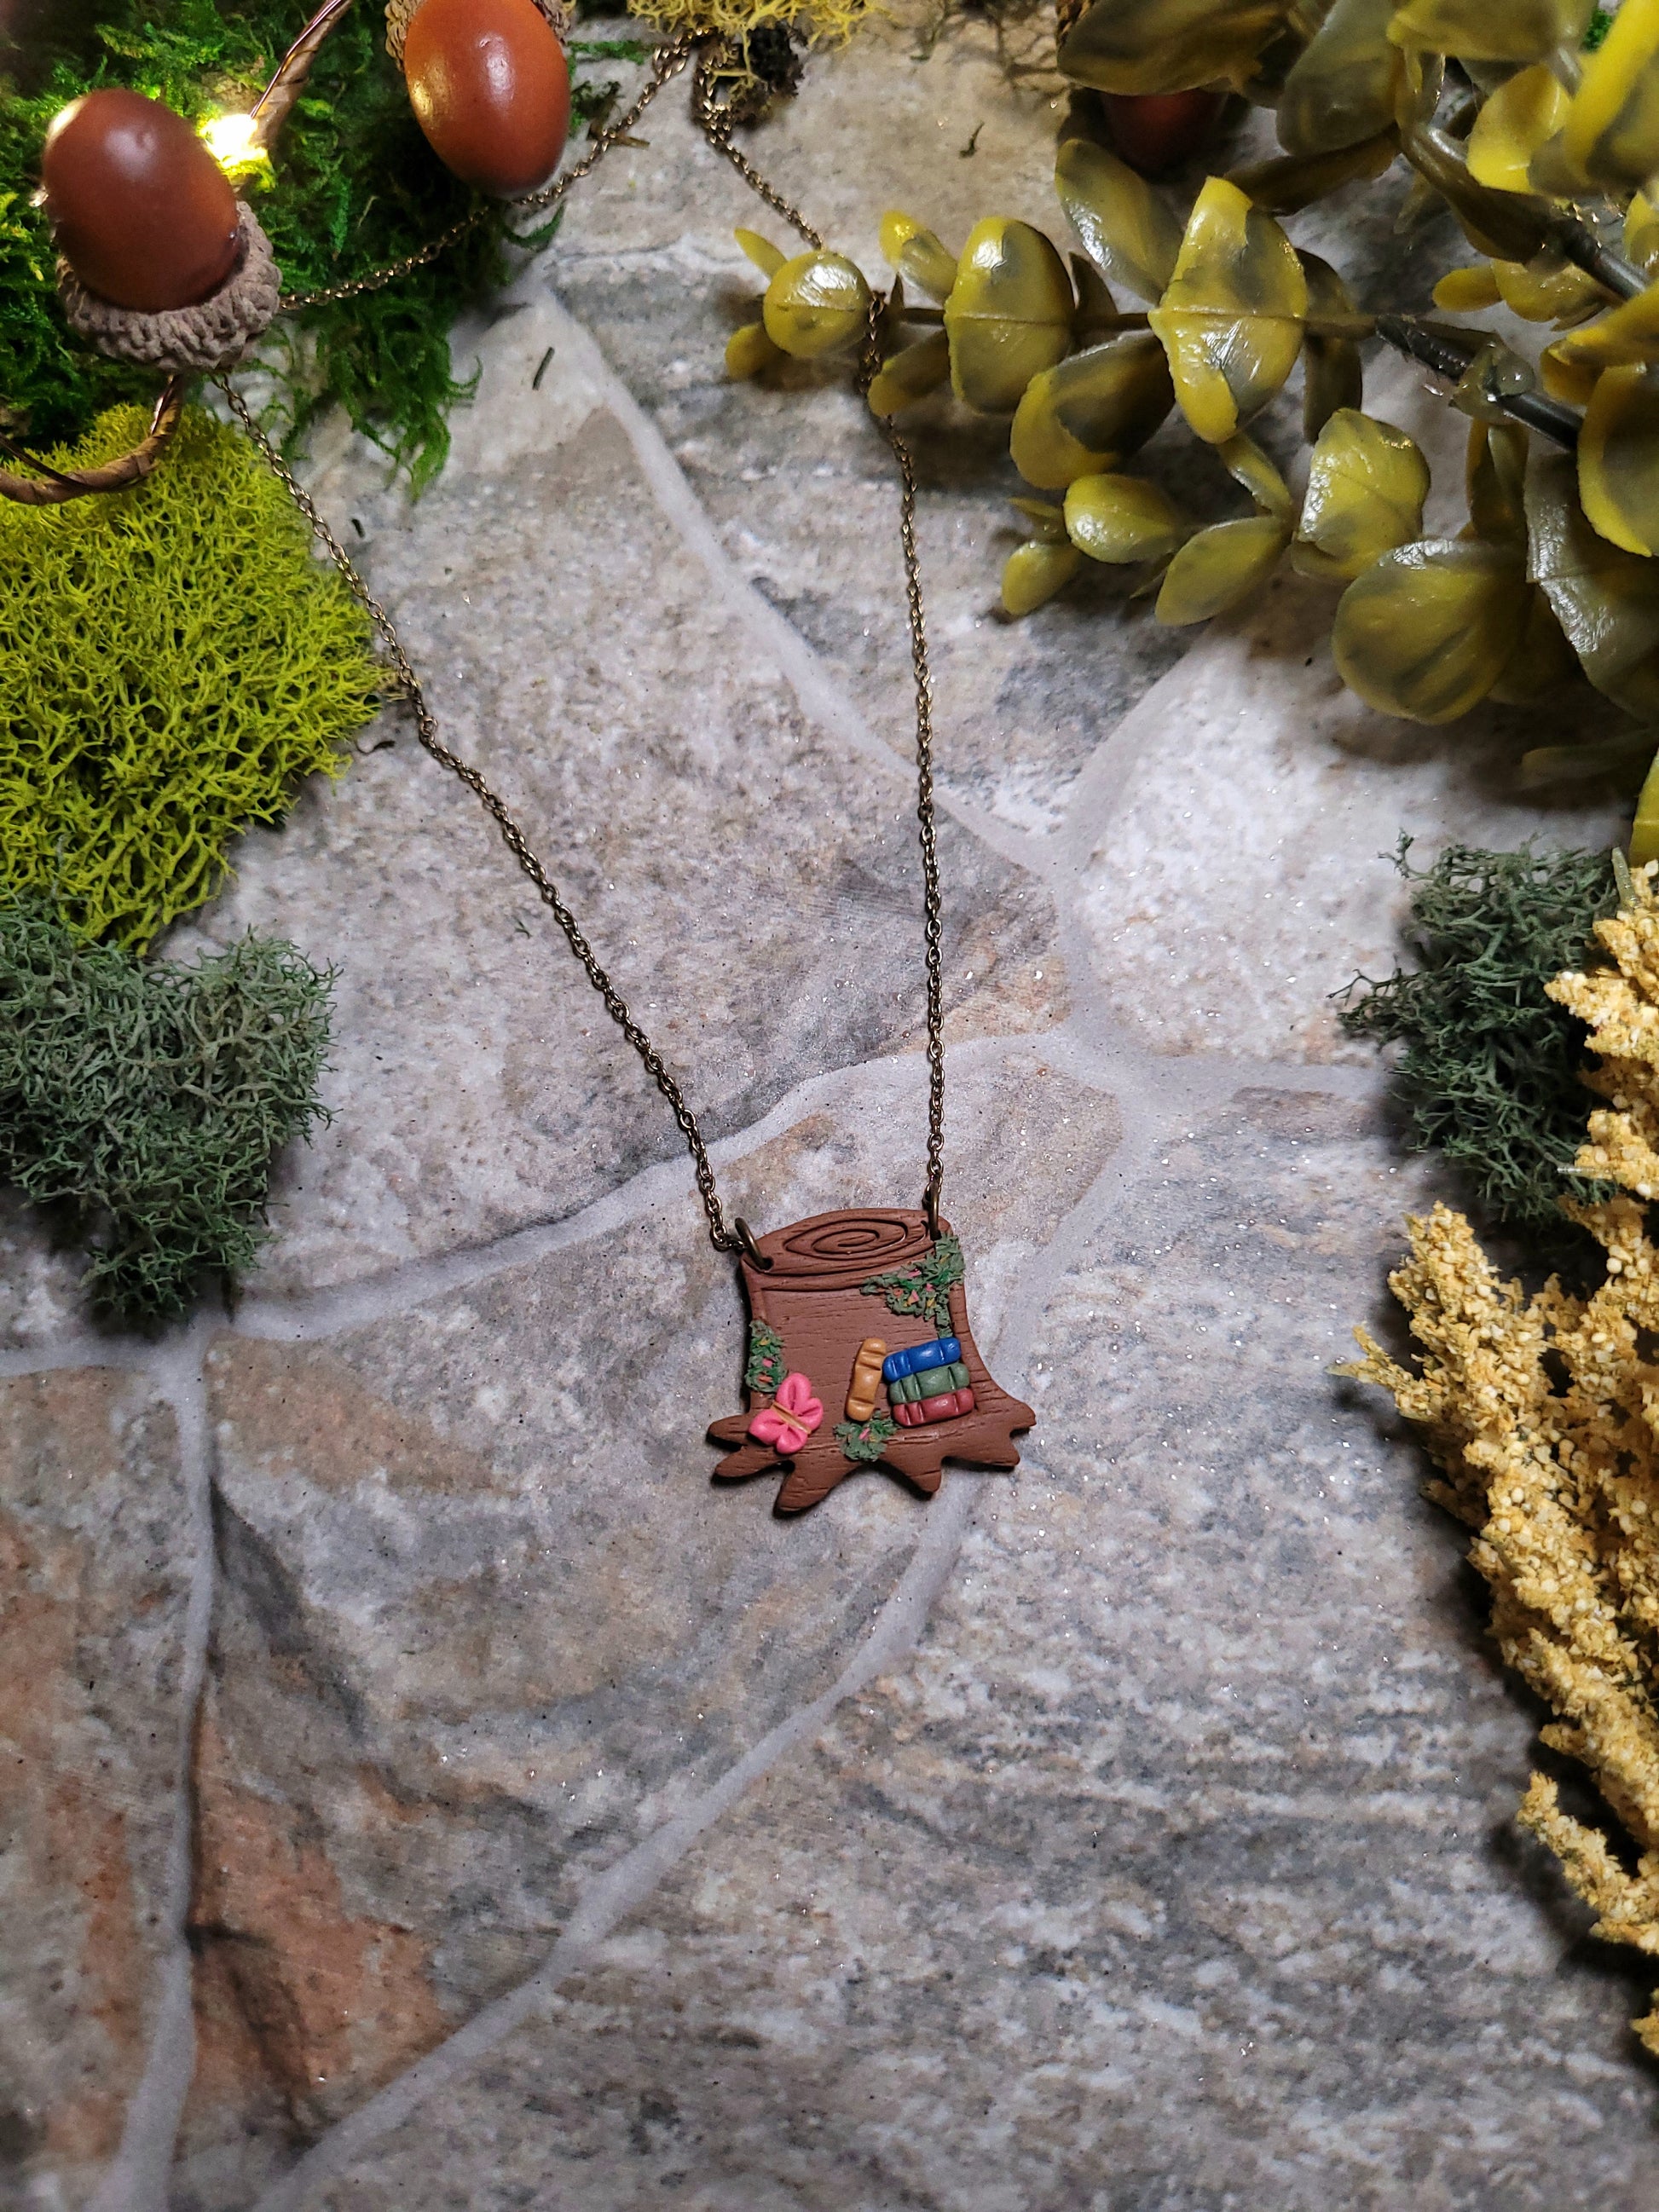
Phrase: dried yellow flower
x=1542 y=1415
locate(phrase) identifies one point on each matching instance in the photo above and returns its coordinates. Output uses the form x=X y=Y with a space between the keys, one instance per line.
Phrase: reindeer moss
x=1489 y=1075
x=355 y=186
x=148 y=1098
x=172 y=661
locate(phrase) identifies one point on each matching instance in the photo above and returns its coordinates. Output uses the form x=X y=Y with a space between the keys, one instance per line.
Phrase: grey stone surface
x=95 y=1569
x=1173 y=1871
x=1131 y=1835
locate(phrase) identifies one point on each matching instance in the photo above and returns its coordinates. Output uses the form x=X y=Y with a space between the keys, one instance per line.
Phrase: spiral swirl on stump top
x=847 y=1245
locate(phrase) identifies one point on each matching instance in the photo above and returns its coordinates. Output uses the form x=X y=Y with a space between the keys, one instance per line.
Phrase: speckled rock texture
x=423 y=1787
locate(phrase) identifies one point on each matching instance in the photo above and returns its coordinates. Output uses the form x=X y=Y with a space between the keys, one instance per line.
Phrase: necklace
x=863 y=1310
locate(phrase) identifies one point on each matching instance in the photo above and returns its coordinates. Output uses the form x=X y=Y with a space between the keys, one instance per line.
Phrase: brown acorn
x=490 y=87
x=141 y=211
x=1158 y=130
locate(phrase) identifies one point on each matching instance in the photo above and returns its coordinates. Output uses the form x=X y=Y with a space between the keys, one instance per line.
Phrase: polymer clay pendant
x=860 y=1354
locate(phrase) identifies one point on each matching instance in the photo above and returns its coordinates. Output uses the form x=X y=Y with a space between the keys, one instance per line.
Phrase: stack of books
x=929 y=1382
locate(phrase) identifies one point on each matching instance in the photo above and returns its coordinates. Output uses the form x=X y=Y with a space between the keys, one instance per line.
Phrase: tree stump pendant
x=859 y=1355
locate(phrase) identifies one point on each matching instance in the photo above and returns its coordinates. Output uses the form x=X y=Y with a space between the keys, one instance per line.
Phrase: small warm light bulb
x=234 y=143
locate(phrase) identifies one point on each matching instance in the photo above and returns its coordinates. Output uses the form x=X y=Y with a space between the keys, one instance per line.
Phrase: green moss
x=172 y=660
x=1489 y=1073
x=356 y=185
x=765 y=1370
x=866 y=1441
x=924 y=1288
x=148 y=1098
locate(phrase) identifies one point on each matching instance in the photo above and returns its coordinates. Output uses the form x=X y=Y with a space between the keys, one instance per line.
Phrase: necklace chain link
x=716 y=126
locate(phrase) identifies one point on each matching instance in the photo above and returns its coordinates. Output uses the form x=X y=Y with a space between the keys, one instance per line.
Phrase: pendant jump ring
x=751 y=1250
x=930 y=1203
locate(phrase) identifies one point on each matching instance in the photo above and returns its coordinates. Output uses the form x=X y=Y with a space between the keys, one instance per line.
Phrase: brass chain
x=716 y=126
x=666 y=63
x=409 y=684
x=933 y=921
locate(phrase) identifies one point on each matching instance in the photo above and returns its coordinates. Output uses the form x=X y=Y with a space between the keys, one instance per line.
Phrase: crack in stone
x=1101 y=1052
x=610 y=1896
x=137 y=2180
x=817 y=691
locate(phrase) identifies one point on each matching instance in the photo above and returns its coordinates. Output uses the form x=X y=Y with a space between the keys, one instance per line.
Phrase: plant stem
x=1449 y=353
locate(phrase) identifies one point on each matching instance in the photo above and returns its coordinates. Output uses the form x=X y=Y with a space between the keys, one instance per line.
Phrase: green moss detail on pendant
x=922 y=1290
x=766 y=1369
x=149 y=1097
x=172 y=662
x=866 y=1441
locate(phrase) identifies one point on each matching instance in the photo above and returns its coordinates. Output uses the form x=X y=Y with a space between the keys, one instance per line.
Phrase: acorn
x=490 y=87
x=141 y=211
x=1158 y=130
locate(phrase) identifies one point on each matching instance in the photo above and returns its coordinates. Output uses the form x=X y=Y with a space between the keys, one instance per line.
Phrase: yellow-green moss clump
x=172 y=661
x=1542 y=1414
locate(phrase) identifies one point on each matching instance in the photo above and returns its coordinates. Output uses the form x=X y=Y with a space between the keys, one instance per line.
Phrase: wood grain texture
x=813 y=1295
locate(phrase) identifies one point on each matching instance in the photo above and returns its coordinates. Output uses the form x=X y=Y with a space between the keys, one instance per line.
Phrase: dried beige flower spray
x=1542 y=1415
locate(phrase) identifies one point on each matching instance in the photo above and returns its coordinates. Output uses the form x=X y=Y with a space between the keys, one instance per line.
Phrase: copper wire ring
x=751 y=1250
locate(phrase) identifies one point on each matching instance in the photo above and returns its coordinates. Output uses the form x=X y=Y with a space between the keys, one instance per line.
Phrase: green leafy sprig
x=922 y=1290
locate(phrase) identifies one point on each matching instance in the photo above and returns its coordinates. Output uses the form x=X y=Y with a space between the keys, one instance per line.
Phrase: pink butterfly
x=791 y=1417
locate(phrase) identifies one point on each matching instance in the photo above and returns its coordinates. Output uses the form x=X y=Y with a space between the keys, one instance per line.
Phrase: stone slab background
x=422 y=1787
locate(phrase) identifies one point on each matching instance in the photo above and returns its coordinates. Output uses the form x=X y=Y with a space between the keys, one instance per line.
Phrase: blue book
x=944 y=1352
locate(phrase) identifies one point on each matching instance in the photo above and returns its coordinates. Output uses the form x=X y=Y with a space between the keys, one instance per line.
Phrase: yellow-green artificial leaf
x=1123 y=519
x=1607 y=600
x=1097 y=313
x=1287 y=182
x=1247 y=465
x=1034 y=573
x=1044 y=520
x=1508 y=225
x=1128 y=231
x=917 y=254
x=1644 y=830
x=750 y=350
x=1231 y=319
x=910 y=374
x=814 y=303
x=1611 y=135
x=1642 y=234
x=1540 y=293
x=1516 y=119
x=1219 y=565
x=1466 y=291
x=1333 y=373
x=1167 y=45
x=1427 y=630
x=1624 y=754
x=1492 y=30
x=1088 y=412
x=1571 y=381
x=1422 y=85
x=1367 y=482
x=1618 y=460
x=1628 y=335
x=1541 y=663
x=766 y=257
x=1009 y=315
x=1343 y=89
x=1494 y=479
